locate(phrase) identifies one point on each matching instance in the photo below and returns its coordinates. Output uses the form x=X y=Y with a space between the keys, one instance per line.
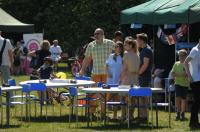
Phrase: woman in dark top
x=42 y=53
x=39 y=55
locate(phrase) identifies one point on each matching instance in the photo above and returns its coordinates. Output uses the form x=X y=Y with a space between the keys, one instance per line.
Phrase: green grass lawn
x=58 y=123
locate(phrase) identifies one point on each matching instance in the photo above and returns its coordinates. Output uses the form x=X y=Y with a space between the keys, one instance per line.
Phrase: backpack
x=1 y=52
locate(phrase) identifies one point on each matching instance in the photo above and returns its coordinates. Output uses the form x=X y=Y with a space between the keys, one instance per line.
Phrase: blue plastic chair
x=100 y=84
x=85 y=78
x=25 y=100
x=139 y=92
x=12 y=82
x=73 y=91
x=40 y=87
x=167 y=104
x=15 y=97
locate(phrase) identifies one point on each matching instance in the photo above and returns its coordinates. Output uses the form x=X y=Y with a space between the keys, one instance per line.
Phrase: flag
x=169 y=26
x=182 y=30
x=171 y=39
x=159 y=32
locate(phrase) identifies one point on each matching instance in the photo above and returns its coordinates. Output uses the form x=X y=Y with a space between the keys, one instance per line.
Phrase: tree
x=70 y=21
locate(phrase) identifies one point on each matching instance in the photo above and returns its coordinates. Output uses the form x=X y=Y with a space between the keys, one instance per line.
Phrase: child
x=45 y=72
x=181 y=85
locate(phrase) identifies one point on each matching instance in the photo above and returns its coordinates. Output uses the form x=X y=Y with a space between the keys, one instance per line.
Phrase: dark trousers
x=196 y=103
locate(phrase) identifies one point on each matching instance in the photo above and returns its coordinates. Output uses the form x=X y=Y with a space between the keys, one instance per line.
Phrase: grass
x=59 y=123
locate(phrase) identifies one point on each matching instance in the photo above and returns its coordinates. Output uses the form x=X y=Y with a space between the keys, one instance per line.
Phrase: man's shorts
x=181 y=91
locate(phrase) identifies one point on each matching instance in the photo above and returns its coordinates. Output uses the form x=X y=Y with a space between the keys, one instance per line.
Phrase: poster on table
x=32 y=41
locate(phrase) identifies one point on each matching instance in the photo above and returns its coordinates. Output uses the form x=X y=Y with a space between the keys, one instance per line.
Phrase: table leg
x=88 y=112
x=156 y=116
x=7 y=108
x=105 y=109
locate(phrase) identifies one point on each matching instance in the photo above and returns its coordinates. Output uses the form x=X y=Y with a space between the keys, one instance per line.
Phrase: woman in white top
x=114 y=64
x=114 y=68
x=55 y=53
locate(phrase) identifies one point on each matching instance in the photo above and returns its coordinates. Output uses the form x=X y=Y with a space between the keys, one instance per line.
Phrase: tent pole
x=43 y=31
x=188 y=32
x=188 y=26
x=154 y=45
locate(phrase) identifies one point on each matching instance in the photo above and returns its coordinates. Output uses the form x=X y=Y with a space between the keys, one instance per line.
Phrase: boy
x=181 y=84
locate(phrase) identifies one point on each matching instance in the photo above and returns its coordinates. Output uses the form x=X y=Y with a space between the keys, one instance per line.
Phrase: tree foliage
x=72 y=22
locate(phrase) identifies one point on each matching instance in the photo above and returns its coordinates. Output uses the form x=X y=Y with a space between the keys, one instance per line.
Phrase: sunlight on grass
x=59 y=122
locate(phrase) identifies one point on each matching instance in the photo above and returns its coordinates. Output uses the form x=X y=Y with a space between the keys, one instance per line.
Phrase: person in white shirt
x=192 y=68
x=7 y=59
x=56 y=51
x=157 y=81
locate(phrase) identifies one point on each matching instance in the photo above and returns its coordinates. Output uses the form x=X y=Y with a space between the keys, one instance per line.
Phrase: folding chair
x=26 y=90
x=40 y=87
x=25 y=100
x=167 y=102
x=12 y=82
x=140 y=92
x=74 y=94
x=114 y=104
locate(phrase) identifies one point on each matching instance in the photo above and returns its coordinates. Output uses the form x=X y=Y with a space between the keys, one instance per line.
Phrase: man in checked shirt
x=98 y=51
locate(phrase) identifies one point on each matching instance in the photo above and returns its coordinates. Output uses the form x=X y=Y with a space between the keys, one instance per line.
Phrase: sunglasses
x=182 y=56
x=96 y=33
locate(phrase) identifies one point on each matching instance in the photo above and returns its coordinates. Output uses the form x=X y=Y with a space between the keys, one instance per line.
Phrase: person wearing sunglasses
x=98 y=51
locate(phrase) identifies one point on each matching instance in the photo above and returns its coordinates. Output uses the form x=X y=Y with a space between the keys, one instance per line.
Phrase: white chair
x=167 y=103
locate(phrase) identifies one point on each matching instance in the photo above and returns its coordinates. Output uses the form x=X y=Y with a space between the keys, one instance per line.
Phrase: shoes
x=94 y=117
x=194 y=126
x=182 y=116
x=141 y=119
x=177 y=116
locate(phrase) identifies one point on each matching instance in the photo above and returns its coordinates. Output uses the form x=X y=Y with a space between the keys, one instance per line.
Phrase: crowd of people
x=116 y=62
x=131 y=63
x=22 y=56
x=122 y=61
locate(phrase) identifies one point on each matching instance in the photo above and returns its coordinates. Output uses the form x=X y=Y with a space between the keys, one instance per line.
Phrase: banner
x=32 y=41
x=136 y=25
x=179 y=36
